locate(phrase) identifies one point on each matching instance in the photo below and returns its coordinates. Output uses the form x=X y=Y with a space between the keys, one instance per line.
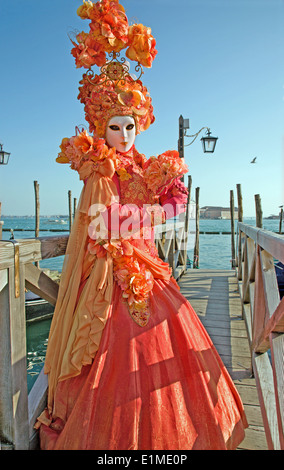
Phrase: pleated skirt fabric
x=158 y=387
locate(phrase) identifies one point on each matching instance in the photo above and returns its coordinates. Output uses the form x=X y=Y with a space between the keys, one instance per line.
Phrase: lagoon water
x=214 y=253
x=214 y=249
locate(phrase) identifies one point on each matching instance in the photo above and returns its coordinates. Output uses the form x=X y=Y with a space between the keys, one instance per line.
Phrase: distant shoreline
x=32 y=216
x=271 y=217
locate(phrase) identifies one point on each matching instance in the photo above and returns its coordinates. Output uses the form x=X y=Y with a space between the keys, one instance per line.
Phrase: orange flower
x=96 y=248
x=84 y=142
x=160 y=172
x=88 y=51
x=141 y=45
x=109 y=24
x=154 y=175
x=114 y=248
x=123 y=175
x=87 y=154
x=134 y=279
x=85 y=10
x=141 y=284
x=62 y=157
x=130 y=98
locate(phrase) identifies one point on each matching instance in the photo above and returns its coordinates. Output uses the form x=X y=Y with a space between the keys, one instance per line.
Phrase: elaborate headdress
x=114 y=91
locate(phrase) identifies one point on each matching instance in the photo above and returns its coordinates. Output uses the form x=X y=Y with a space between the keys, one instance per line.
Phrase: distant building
x=192 y=210
x=216 y=212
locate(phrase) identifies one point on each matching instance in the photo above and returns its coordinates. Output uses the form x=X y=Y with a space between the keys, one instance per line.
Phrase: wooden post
x=186 y=222
x=280 y=221
x=74 y=206
x=37 y=207
x=14 y=428
x=232 y=208
x=240 y=203
x=258 y=210
x=240 y=219
x=196 y=247
x=1 y=223
x=181 y=138
x=70 y=209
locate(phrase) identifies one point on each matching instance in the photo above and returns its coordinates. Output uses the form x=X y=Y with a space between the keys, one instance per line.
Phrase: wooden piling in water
x=1 y=222
x=37 y=208
x=196 y=247
x=258 y=211
x=232 y=211
x=280 y=220
x=240 y=219
x=37 y=212
x=74 y=206
x=185 y=235
x=70 y=209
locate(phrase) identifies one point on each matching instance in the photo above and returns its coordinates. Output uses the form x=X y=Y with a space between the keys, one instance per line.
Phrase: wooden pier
x=215 y=297
x=240 y=308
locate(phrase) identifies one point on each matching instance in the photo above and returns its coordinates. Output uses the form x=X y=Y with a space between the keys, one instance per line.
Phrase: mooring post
x=186 y=222
x=196 y=247
x=280 y=220
x=232 y=209
x=37 y=207
x=14 y=426
x=240 y=219
x=70 y=209
x=1 y=223
x=258 y=210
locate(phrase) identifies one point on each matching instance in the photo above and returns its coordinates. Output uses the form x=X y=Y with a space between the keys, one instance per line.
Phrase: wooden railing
x=19 y=271
x=263 y=310
x=18 y=410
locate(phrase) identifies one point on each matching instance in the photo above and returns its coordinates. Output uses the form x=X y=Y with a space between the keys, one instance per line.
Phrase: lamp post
x=208 y=142
x=183 y=126
x=4 y=156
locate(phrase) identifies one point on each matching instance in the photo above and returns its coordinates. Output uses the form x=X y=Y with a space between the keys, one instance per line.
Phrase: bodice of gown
x=133 y=190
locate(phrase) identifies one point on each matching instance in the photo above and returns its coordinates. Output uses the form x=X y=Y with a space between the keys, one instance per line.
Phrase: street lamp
x=4 y=156
x=208 y=143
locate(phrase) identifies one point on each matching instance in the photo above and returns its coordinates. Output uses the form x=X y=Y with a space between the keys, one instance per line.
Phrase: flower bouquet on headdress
x=161 y=172
x=110 y=32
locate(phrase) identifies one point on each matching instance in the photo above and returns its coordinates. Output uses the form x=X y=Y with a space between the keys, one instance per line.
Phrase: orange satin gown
x=158 y=387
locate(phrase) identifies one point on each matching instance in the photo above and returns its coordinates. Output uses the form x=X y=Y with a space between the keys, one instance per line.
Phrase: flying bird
x=254 y=160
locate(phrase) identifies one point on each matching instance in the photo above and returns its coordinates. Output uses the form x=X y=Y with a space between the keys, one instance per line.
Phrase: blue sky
x=219 y=63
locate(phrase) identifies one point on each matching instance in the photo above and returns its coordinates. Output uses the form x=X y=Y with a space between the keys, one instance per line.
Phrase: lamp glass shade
x=4 y=157
x=209 y=143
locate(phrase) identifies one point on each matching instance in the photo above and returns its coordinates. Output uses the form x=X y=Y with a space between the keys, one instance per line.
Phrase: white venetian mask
x=121 y=133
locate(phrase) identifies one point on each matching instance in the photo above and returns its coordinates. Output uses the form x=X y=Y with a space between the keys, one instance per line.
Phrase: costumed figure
x=129 y=364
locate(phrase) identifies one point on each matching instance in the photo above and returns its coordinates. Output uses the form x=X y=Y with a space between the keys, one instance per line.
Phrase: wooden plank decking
x=214 y=295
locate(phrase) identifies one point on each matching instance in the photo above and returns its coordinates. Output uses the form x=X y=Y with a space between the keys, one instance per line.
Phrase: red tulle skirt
x=161 y=387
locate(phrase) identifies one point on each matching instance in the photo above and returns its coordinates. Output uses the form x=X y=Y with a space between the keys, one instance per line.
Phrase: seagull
x=254 y=160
